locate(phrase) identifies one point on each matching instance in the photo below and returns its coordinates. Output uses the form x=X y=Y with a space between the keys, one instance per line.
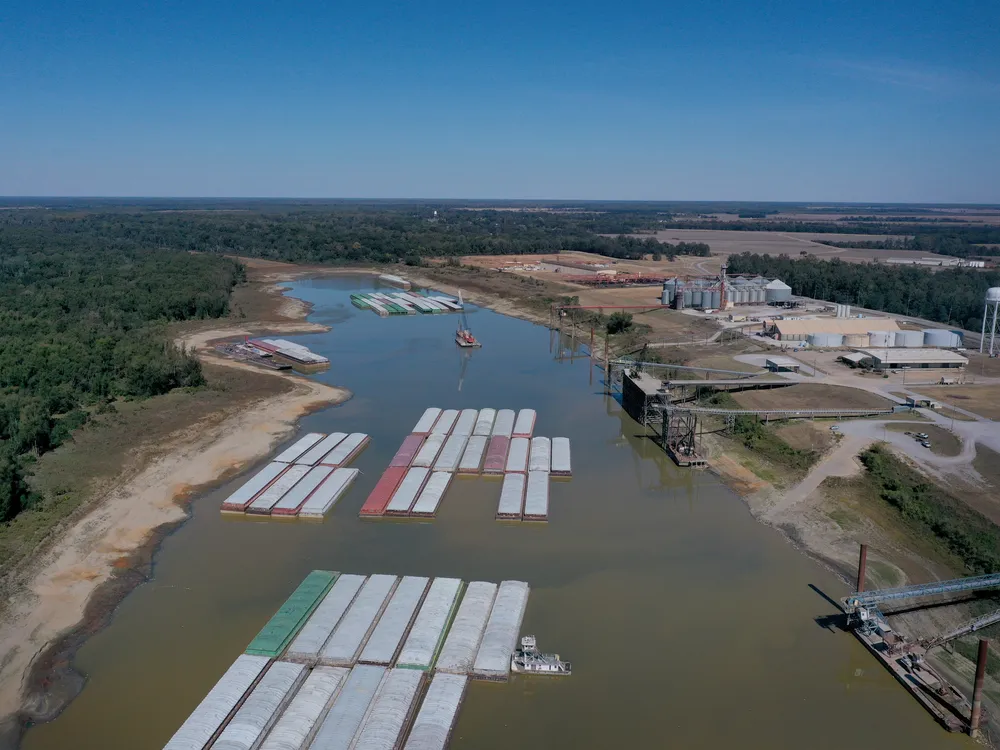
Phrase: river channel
x=689 y=624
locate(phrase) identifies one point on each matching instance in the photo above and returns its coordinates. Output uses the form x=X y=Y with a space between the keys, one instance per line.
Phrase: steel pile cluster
x=306 y=479
x=404 y=303
x=449 y=442
x=361 y=662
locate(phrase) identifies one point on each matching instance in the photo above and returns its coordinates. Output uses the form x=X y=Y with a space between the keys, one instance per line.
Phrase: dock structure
x=324 y=497
x=215 y=708
x=312 y=456
x=382 y=493
x=407 y=451
x=387 y=638
x=239 y=500
x=484 y=422
x=536 y=497
x=275 y=636
x=300 y=720
x=540 y=458
x=496 y=455
x=462 y=644
x=324 y=619
x=511 y=505
x=517 y=458
x=502 y=629
x=406 y=494
x=426 y=421
x=472 y=458
x=430 y=496
x=391 y=636
x=261 y=709
x=299 y=447
x=347 y=639
x=427 y=634
x=438 y=712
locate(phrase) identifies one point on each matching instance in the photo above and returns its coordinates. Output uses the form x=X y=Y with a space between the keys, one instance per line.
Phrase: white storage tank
x=910 y=339
x=744 y=296
x=882 y=339
x=757 y=295
x=777 y=291
x=826 y=339
x=941 y=338
x=716 y=302
x=861 y=340
x=696 y=298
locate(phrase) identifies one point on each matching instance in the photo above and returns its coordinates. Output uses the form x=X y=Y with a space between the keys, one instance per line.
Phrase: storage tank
x=941 y=338
x=667 y=295
x=910 y=339
x=861 y=340
x=826 y=339
x=696 y=298
x=882 y=339
x=757 y=295
x=687 y=298
x=777 y=291
x=716 y=300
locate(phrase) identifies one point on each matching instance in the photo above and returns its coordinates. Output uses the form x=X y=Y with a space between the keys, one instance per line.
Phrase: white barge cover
x=391 y=711
x=347 y=450
x=345 y=643
x=541 y=454
x=254 y=486
x=484 y=422
x=262 y=707
x=445 y=422
x=427 y=633
x=327 y=494
x=511 y=496
x=269 y=497
x=430 y=497
x=298 y=723
x=466 y=422
x=517 y=458
x=206 y=719
x=451 y=453
x=395 y=622
x=502 y=629
x=504 y=424
x=472 y=458
x=291 y=500
x=463 y=640
x=324 y=446
x=426 y=421
x=560 y=457
x=341 y=725
x=525 y=423
x=299 y=447
x=428 y=451
x=405 y=495
x=437 y=713
x=536 y=499
x=307 y=644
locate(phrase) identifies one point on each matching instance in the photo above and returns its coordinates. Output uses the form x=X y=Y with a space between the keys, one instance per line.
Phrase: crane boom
x=867 y=599
x=977 y=623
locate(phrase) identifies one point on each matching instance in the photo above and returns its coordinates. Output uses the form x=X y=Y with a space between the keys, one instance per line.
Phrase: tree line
x=82 y=324
x=953 y=296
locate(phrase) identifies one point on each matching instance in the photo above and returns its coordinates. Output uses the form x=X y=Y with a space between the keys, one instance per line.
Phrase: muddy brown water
x=688 y=623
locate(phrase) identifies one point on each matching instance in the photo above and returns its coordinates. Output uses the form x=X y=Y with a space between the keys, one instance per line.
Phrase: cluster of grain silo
x=707 y=294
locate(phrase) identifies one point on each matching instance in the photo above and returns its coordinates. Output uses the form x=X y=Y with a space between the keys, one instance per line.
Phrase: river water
x=689 y=624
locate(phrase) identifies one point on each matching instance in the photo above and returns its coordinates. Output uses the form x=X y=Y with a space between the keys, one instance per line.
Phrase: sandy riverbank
x=72 y=588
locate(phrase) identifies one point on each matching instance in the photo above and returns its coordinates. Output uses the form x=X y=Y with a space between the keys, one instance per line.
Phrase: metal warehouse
x=802 y=329
x=894 y=359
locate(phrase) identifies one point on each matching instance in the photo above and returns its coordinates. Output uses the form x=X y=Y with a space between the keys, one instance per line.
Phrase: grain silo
x=882 y=339
x=910 y=339
x=696 y=298
x=777 y=291
x=757 y=295
x=826 y=339
x=716 y=299
x=941 y=338
x=667 y=295
x=687 y=298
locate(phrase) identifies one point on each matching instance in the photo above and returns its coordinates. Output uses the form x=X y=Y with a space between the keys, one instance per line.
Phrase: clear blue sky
x=847 y=100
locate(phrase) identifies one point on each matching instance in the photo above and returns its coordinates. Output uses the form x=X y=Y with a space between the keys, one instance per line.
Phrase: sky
x=769 y=100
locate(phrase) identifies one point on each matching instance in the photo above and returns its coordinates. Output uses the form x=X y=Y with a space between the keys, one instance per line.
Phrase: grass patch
x=966 y=534
x=844 y=519
x=764 y=441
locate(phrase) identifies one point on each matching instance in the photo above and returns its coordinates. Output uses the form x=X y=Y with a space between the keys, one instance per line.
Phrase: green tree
x=619 y=322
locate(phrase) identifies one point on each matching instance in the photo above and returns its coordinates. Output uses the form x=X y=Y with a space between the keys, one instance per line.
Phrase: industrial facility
x=723 y=292
x=897 y=359
x=860 y=333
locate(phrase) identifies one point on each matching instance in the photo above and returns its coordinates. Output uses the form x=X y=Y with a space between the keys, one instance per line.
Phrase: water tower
x=990 y=319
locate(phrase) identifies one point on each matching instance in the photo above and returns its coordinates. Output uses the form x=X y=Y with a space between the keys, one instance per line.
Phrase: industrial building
x=782 y=364
x=897 y=359
x=940 y=262
x=724 y=291
x=831 y=331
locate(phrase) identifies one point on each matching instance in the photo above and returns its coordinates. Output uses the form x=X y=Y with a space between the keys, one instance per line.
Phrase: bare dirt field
x=983 y=400
x=810 y=436
x=811 y=396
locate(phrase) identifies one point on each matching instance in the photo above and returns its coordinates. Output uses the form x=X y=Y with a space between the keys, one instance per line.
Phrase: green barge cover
x=292 y=615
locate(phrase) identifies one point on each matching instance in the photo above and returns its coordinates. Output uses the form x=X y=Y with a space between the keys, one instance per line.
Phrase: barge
x=382 y=493
x=289 y=350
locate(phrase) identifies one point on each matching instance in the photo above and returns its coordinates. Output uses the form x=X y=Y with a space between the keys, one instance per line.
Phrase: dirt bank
x=71 y=587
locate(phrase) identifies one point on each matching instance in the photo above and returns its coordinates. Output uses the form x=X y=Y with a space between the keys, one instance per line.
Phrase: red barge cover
x=382 y=493
x=404 y=456
x=496 y=455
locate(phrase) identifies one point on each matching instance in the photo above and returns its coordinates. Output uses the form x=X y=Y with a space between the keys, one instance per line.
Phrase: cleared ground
x=811 y=396
x=809 y=436
x=983 y=400
x=943 y=443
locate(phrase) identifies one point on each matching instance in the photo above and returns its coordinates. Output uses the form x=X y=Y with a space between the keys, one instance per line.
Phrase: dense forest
x=82 y=324
x=953 y=296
